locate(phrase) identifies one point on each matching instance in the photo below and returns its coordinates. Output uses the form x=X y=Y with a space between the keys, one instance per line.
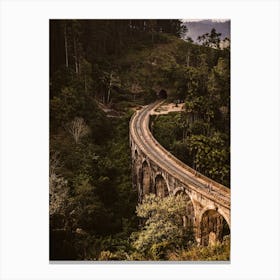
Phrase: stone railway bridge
x=155 y=170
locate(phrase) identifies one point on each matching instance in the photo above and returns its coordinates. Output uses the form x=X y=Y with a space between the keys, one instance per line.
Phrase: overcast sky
x=216 y=20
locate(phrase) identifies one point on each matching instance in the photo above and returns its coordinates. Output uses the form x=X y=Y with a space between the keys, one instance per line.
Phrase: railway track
x=139 y=127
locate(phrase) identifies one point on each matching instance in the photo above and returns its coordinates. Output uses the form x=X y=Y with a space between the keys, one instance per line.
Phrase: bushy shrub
x=162 y=231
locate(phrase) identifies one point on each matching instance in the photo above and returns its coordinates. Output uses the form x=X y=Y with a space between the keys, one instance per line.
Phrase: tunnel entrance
x=162 y=94
x=213 y=228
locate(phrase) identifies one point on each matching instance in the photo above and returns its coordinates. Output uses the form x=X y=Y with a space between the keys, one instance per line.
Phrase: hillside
x=100 y=71
x=144 y=73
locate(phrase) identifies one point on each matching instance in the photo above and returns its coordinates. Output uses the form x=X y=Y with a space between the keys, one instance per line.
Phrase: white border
x=24 y=138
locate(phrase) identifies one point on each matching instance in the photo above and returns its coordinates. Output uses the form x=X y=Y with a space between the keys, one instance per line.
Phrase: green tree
x=211 y=39
x=210 y=156
x=163 y=229
x=219 y=83
x=217 y=252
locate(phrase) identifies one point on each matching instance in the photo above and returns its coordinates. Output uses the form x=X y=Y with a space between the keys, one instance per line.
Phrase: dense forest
x=100 y=71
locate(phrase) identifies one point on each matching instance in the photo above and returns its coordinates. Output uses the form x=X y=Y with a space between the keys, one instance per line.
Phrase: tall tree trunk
x=188 y=59
x=109 y=90
x=76 y=56
x=66 y=45
x=85 y=84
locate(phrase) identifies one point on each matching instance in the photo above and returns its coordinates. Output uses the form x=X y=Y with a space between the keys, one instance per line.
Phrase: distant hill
x=197 y=28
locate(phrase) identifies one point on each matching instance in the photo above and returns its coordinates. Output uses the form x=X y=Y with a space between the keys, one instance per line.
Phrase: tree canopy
x=100 y=71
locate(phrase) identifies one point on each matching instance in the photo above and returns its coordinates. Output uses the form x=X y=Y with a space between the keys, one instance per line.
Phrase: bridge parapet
x=176 y=174
x=180 y=163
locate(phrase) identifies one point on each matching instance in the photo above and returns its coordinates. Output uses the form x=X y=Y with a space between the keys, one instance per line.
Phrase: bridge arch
x=213 y=226
x=153 y=174
x=135 y=170
x=188 y=220
x=136 y=155
x=215 y=208
x=146 y=178
x=160 y=186
x=161 y=174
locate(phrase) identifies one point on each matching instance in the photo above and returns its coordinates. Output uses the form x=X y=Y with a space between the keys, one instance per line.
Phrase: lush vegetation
x=99 y=71
x=200 y=135
x=162 y=236
x=196 y=143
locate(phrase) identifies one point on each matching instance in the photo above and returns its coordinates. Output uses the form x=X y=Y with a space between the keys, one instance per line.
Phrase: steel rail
x=139 y=128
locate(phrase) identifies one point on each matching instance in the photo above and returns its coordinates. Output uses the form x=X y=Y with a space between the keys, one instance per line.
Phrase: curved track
x=139 y=129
